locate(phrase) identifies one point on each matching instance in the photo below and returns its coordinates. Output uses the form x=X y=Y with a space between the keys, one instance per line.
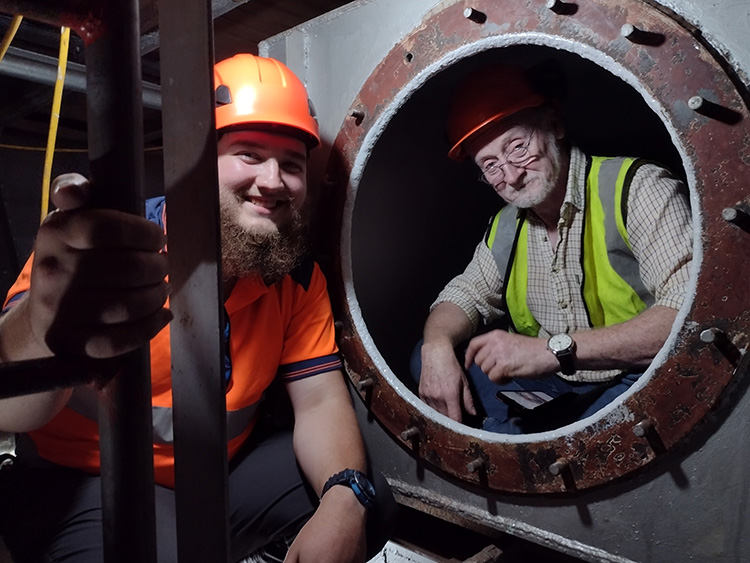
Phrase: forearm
x=326 y=434
x=447 y=324
x=629 y=345
x=327 y=441
x=17 y=341
x=21 y=414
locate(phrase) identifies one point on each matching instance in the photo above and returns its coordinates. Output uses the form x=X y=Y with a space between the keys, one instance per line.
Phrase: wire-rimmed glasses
x=517 y=155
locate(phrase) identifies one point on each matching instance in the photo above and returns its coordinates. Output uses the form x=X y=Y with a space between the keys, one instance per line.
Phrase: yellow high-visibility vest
x=613 y=291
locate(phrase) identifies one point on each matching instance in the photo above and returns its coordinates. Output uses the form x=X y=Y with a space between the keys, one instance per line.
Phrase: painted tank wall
x=688 y=505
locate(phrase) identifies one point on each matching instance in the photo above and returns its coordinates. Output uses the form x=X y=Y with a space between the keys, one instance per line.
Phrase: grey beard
x=269 y=255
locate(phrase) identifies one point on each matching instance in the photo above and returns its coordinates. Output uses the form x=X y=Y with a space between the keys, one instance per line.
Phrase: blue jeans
x=572 y=400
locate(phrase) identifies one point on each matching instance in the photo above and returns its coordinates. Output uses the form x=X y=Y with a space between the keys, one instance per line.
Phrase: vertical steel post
x=190 y=175
x=115 y=131
x=111 y=31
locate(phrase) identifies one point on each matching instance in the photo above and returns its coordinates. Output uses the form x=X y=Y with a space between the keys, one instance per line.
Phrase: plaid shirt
x=660 y=233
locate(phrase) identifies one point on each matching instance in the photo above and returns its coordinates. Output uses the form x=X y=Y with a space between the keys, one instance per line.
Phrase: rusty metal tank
x=661 y=474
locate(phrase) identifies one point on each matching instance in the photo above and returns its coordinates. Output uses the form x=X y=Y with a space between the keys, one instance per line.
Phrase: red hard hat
x=252 y=90
x=485 y=97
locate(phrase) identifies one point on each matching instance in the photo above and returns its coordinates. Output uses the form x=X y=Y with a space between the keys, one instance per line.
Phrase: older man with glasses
x=585 y=268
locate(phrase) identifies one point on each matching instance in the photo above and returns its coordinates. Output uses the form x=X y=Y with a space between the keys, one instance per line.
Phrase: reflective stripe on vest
x=613 y=291
x=512 y=262
x=86 y=404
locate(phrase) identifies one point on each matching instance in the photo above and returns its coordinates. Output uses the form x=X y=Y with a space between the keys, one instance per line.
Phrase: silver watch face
x=560 y=343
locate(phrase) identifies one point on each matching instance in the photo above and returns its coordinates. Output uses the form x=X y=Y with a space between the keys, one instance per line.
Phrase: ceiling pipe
x=42 y=69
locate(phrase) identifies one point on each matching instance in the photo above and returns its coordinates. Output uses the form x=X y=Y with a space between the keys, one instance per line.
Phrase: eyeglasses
x=517 y=155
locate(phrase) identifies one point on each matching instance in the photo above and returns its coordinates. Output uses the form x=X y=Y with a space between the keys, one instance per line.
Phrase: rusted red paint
x=691 y=382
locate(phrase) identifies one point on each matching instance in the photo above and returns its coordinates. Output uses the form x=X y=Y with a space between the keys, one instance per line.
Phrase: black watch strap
x=567 y=366
x=357 y=482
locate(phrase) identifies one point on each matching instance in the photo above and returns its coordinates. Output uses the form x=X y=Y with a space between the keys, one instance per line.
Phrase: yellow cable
x=9 y=35
x=58 y=149
x=37 y=149
x=62 y=65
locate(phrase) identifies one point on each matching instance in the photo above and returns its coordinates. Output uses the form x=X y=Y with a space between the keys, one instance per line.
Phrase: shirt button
x=563 y=305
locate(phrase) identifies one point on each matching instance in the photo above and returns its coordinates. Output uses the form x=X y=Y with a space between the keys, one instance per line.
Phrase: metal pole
x=190 y=175
x=115 y=130
x=111 y=32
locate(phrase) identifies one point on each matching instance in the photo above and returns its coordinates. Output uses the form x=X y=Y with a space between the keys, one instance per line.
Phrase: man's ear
x=558 y=127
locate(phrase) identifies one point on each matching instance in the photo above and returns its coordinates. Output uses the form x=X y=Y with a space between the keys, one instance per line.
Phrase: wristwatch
x=562 y=346
x=357 y=481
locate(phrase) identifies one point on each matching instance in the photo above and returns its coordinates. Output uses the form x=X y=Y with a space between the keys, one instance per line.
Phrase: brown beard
x=269 y=255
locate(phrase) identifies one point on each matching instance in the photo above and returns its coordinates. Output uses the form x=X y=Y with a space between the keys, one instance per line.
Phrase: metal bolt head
x=696 y=102
x=365 y=383
x=476 y=464
x=710 y=335
x=559 y=7
x=475 y=15
x=729 y=214
x=558 y=467
x=410 y=433
x=628 y=30
x=642 y=427
x=737 y=215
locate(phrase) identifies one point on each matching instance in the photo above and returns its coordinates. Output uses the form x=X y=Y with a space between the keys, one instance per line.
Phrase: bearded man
x=301 y=495
x=586 y=267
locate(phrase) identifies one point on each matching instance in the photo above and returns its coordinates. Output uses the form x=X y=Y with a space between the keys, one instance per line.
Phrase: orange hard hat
x=485 y=97
x=264 y=93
